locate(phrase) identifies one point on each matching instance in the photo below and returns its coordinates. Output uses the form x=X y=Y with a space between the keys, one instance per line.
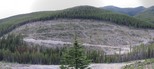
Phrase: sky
x=15 y=7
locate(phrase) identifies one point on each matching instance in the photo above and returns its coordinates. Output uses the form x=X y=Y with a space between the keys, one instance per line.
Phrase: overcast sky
x=15 y=7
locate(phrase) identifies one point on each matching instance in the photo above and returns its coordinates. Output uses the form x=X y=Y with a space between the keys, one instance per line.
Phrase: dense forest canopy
x=147 y=15
x=14 y=49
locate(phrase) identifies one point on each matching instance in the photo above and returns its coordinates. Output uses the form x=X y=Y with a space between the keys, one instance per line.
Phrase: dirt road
x=92 y=66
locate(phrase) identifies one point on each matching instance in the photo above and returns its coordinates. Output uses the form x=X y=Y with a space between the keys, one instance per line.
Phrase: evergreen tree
x=74 y=57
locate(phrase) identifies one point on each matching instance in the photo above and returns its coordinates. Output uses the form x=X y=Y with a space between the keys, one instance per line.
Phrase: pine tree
x=74 y=57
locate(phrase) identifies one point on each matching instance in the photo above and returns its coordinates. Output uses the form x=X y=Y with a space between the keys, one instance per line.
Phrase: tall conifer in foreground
x=75 y=57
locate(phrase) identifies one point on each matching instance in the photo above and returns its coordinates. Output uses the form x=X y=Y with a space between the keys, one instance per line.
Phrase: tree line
x=80 y=12
x=14 y=49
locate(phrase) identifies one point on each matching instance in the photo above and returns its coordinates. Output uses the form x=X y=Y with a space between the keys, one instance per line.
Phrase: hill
x=112 y=36
x=147 y=15
x=128 y=11
x=92 y=33
x=79 y=12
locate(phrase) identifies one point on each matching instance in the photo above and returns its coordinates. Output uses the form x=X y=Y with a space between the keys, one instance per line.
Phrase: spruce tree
x=74 y=57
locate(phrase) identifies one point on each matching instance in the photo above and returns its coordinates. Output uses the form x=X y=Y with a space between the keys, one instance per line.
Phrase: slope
x=147 y=15
x=80 y=12
x=145 y=64
x=92 y=33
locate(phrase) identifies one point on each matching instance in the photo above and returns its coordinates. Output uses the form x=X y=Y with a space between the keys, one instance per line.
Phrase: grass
x=148 y=63
x=6 y=65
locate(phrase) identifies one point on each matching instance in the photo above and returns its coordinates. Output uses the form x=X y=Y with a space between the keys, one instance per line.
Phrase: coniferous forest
x=79 y=12
x=14 y=49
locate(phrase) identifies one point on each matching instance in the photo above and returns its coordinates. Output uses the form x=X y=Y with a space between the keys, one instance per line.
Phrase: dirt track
x=26 y=66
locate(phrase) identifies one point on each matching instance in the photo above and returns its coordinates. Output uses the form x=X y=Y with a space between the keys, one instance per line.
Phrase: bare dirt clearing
x=51 y=43
x=92 y=33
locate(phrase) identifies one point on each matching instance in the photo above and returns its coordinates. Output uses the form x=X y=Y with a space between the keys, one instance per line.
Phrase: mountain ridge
x=128 y=11
x=147 y=14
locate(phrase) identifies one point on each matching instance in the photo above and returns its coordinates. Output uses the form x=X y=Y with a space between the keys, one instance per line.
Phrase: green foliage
x=147 y=15
x=80 y=12
x=14 y=49
x=75 y=57
x=141 y=65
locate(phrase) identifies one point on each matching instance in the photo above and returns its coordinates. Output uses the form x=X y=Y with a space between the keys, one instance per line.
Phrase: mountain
x=147 y=15
x=128 y=11
x=79 y=12
x=105 y=32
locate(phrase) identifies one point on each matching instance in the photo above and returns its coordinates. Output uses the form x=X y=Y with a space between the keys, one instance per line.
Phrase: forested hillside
x=50 y=33
x=79 y=12
x=128 y=11
x=14 y=49
x=147 y=15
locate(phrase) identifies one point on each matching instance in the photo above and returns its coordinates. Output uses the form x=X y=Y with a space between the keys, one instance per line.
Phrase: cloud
x=42 y=5
x=62 y=4
x=147 y=3
x=14 y=7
